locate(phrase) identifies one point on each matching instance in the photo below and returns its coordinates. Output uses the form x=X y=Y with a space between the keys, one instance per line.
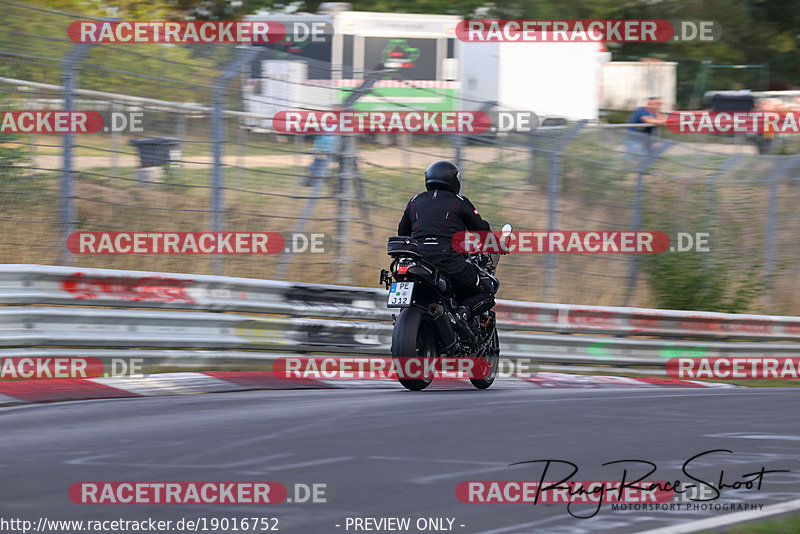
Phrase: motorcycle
x=426 y=327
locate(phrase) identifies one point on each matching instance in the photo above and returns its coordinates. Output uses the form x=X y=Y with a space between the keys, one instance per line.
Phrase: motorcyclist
x=433 y=218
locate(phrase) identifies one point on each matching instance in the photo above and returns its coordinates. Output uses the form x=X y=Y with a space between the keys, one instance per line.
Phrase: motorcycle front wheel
x=413 y=336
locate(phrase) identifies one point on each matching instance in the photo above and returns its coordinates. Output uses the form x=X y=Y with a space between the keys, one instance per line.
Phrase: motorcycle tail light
x=402 y=269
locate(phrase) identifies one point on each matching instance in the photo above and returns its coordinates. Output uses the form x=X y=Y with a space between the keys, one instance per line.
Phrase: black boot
x=463 y=319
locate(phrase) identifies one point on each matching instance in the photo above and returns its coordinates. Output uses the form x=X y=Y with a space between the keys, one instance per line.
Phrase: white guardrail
x=192 y=320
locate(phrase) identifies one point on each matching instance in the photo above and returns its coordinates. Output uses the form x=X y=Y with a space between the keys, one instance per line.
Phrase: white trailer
x=550 y=79
x=628 y=84
x=421 y=51
x=282 y=86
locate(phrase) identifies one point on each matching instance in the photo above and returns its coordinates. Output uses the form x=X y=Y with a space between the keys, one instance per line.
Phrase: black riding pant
x=472 y=291
x=469 y=288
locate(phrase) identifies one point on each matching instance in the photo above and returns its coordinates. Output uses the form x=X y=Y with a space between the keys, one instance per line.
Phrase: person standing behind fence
x=638 y=140
x=324 y=148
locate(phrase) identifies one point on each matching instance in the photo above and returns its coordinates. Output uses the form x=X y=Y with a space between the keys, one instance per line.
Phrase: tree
x=754 y=31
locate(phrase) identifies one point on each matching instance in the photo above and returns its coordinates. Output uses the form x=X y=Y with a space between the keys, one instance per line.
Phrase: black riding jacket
x=433 y=218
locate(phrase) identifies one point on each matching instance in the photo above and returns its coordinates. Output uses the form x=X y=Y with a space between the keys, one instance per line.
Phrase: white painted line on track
x=754 y=435
x=727 y=519
x=444 y=476
x=95 y=460
x=310 y=463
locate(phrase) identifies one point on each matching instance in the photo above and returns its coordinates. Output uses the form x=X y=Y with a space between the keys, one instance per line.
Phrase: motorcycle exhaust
x=442 y=324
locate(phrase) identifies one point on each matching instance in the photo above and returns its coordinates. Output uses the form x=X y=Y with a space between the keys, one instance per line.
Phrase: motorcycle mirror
x=505 y=234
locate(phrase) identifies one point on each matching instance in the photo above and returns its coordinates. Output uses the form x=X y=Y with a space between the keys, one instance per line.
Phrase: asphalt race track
x=393 y=453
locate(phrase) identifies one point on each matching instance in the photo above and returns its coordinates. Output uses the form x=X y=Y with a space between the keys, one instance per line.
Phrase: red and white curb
x=156 y=385
x=563 y=380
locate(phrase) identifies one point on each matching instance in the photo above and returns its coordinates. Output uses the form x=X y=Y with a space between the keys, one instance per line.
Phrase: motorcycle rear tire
x=413 y=336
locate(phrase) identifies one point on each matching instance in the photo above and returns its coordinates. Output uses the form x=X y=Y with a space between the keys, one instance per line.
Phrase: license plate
x=400 y=294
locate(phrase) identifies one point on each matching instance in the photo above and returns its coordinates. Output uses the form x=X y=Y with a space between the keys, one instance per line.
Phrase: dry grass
x=596 y=195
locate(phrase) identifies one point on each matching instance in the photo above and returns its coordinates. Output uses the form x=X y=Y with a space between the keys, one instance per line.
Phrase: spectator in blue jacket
x=638 y=140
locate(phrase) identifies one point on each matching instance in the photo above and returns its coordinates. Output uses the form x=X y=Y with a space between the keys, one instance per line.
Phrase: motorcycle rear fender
x=430 y=276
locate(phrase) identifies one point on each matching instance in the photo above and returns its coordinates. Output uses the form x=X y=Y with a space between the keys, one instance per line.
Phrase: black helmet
x=443 y=175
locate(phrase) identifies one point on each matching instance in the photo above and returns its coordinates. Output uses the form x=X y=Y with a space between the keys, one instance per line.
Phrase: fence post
x=772 y=225
x=636 y=212
x=298 y=148
x=32 y=104
x=67 y=221
x=533 y=145
x=348 y=174
x=242 y=141
x=553 y=201
x=115 y=106
x=406 y=143
x=217 y=139
x=343 y=219
x=458 y=142
x=180 y=133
